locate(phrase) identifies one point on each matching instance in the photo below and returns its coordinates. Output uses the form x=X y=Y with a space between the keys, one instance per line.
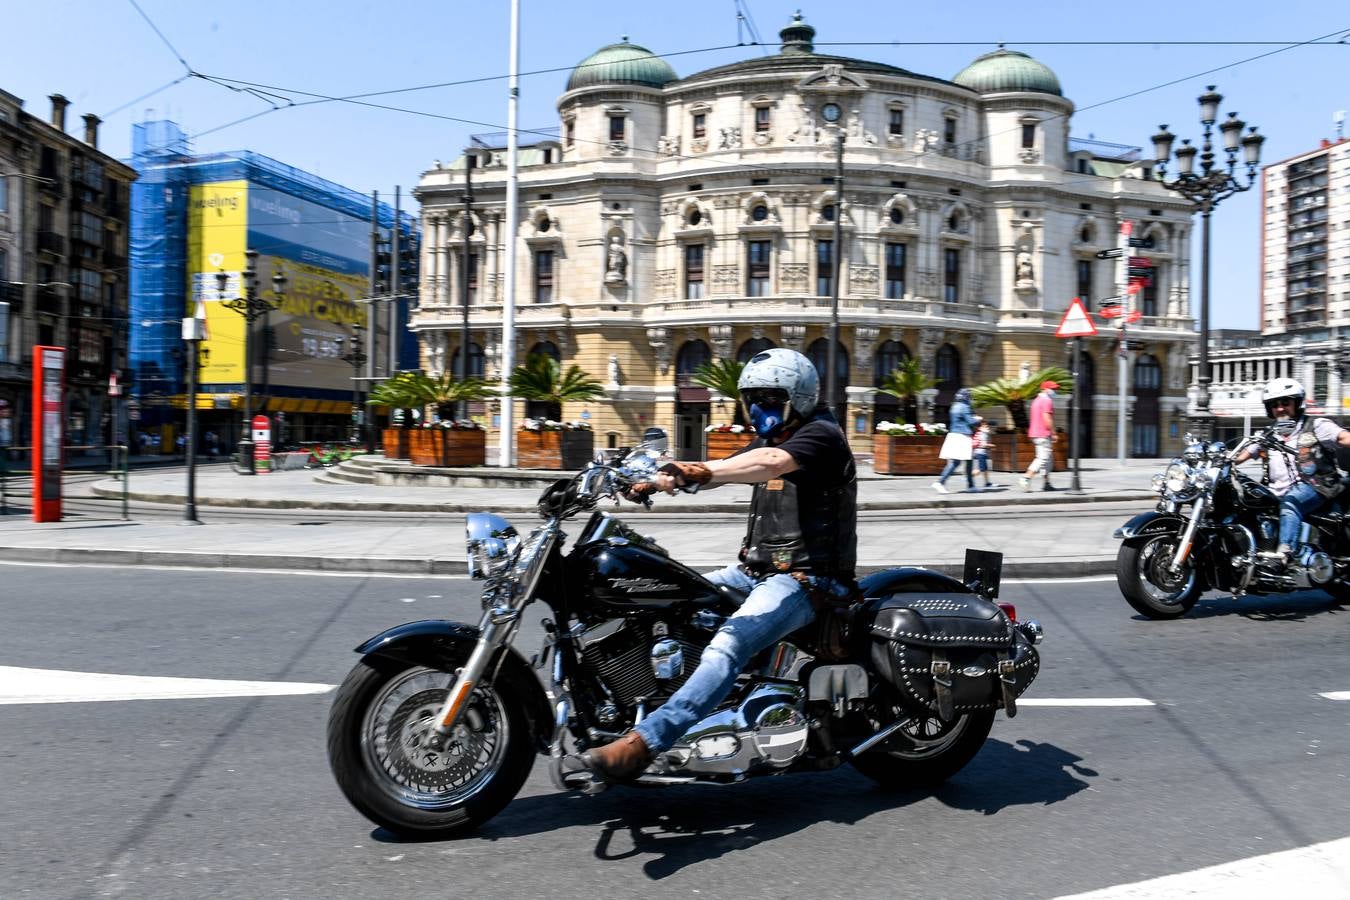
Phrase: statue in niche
x=1026 y=272
x=616 y=263
x=614 y=370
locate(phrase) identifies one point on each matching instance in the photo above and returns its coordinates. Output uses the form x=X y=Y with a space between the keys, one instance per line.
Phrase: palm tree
x=447 y=392
x=1013 y=393
x=402 y=391
x=905 y=383
x=722 y=376
x=541 y=379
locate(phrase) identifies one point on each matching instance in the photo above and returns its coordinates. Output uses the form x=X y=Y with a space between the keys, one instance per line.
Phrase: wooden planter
x=1000 y=460
x=907 y=454
x=395 y=441
x=722 y=444
x=448 y=447
x=567 y=450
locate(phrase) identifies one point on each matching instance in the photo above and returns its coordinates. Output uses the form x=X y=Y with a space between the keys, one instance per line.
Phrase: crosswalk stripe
x=24 y=685
x=1085 y=701
x=1336 y=695
x=1315 y=871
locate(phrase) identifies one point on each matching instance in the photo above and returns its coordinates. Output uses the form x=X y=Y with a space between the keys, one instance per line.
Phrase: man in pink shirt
x=1041 y=430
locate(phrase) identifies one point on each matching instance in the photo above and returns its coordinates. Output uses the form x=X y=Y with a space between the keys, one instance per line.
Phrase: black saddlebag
x=950 y=653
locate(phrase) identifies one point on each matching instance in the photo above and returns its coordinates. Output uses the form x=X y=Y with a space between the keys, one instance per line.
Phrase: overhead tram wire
x=1282 y=47
x=167 y=43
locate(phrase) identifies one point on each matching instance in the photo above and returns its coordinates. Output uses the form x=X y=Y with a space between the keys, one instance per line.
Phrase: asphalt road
x=231 y=797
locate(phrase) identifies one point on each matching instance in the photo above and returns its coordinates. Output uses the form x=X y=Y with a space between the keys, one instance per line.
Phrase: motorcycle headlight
x=490 y=543
x=1202 y=481
x=1158 y=483
x=1177 y=478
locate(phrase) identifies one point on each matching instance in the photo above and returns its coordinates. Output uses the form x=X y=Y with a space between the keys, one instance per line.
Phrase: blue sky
x=103 y=55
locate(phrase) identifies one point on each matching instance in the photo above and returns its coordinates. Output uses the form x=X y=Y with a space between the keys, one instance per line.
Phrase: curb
x=937 y=502
x=1027 y=568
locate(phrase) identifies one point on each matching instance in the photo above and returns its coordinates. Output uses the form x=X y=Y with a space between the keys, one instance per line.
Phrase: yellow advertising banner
x=217 y=238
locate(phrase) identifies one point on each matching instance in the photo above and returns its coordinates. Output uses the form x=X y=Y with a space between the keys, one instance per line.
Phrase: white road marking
x=20 y=685
x=1315 y=871
x=1336 y=695
x=1085 y=701
x=1077 y=579
x=303 y=573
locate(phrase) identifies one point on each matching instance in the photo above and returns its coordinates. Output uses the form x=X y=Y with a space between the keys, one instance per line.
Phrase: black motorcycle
x=435 y=729
x=1217 y=528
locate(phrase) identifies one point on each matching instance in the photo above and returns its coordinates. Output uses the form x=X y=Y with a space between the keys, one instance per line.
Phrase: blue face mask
x=767 y=420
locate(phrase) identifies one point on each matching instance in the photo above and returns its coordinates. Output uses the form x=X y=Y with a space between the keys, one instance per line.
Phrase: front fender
x=1150 y=522
x=445 y=645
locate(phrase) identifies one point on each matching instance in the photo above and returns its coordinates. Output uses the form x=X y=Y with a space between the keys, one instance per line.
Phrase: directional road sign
x=1110 y=254
x=1145 y=243
x=1076 y=322
x=1141 y=262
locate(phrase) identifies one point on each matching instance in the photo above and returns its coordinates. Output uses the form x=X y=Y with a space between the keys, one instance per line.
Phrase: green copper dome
x=621 y=63
x=1008 y=70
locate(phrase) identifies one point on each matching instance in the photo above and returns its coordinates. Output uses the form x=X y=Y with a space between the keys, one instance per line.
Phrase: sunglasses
x=1283 y=401
x=764 y=397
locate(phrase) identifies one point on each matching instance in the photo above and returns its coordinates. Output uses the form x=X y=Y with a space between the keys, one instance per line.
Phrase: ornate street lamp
x=252 y=307
x=356 y=358
x=1206 y=188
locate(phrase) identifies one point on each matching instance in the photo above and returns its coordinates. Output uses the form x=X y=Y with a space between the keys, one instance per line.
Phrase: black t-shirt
x=822 y=453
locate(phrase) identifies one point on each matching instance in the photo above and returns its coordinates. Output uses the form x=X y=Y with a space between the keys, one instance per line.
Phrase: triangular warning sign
x=1075 y=322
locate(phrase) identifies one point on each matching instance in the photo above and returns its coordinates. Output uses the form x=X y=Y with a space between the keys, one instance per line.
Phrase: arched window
x=885 y=408
x=819 y=353
x=692 y=355
x=888 y=358
x=548 y=348
x=753 y=346
x=476 y=362
x=1147 y=374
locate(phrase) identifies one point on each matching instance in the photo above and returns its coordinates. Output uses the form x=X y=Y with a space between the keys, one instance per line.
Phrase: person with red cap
x=1041 y=430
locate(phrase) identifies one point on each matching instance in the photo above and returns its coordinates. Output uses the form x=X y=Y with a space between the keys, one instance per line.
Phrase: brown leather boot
x=623 y=760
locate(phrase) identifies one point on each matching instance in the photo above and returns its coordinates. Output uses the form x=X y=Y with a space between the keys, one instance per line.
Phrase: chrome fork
x=1188 y=536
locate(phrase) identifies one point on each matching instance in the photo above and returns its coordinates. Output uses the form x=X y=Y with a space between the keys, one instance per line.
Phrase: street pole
x=837 y=264
x=1076 y=485
x=466 y=228
x=1206 y=189
x=506 y=430
x=394 y=286
x=1122 y=348
x=251 y=306
x=371 y=319
x=193 y=331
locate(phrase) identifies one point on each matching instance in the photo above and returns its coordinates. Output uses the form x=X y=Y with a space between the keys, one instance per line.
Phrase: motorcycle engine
x=619 y=653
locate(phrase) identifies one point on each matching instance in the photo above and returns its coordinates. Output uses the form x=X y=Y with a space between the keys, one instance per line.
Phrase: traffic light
x=381 y=267
x=408 y=265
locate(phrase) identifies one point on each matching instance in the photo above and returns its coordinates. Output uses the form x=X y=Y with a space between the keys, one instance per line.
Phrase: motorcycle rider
x=1304 y=483
x=799 y=550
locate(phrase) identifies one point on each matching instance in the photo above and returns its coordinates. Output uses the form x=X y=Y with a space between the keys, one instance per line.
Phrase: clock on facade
x=830 y=112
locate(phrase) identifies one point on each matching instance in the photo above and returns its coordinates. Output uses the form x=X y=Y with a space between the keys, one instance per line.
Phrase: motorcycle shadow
x=1268 y=608
x=680 y=827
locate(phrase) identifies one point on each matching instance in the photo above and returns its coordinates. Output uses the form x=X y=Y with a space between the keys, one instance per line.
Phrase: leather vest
x=815 y=533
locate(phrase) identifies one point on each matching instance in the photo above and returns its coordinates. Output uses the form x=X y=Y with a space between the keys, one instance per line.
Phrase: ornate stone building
x=677 y=220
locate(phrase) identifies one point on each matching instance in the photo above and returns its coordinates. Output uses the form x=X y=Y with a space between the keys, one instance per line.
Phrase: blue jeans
x=776 y=607
x=950 y=467
x=1301 y=500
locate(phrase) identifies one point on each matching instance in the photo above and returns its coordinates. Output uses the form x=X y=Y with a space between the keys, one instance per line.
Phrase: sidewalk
x=903 y=521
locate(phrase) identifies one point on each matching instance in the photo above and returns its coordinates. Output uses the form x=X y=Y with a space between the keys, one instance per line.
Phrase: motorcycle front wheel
x=392 y=768
x=1145 y=578
x=926 y=751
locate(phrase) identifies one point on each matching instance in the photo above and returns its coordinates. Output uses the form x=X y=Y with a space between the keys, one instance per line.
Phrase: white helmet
x=1281 y=388
x=784 y=370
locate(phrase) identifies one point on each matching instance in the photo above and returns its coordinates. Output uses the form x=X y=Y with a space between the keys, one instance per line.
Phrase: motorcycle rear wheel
x=1149 y=586
x=926 y=752
x=378 y=747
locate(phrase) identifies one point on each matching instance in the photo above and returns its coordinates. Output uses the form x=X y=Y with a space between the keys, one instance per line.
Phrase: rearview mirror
x=655 y=439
